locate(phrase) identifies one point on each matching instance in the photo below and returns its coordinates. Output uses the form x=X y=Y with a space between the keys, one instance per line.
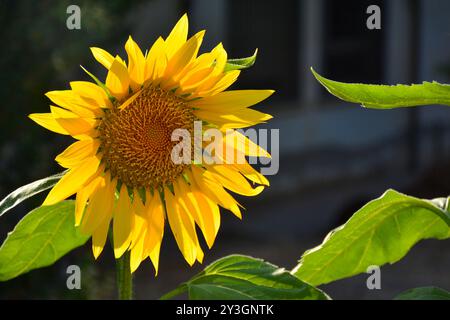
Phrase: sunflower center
x=136 y=142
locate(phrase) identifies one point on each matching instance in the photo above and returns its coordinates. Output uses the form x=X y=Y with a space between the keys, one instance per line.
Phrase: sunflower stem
x=124 y=277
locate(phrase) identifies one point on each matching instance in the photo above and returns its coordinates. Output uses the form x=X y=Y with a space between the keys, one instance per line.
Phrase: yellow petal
x=103 y=57
x=240 y=118
x=205 y=213
x=118 y=80
x=217 y=75
x=193 y=80
x=136 y=254
x=250 y=173
x=91 y=93
x=187 y=53
x=154 y=212
x=77 y=152
x=205 y=60
x=221 y=58
x=130 y=100
x=71 y=101
x=231 y=179
x=140 y=222
x=101 y=203
x=200 y=254
x=136 y=64
x=93 y=213
x=177 y=36
x=188 y=221
x=78 y=126
x=154 y=257
x=247 y=115
x=242 y=144
x=182 y=228
x=202 y=72
x=232 y=100
x=156 y=61
x=72 y=181
x=214 y=191
x=99 y=238
x=47 y=121
x=59 y=112
x=222 y=83
x=100 y=234
x=138 y=234
x=123 y=223
x=81 y=199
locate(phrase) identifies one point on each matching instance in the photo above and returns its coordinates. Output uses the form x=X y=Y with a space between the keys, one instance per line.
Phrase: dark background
x=334 y=156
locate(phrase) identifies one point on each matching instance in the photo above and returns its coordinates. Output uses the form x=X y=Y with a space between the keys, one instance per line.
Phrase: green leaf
x=246 y=278
x=425 y=293
x=388 y=97
x=42 y=237
x=242 y=63
x=381 y=232
x=27 y=191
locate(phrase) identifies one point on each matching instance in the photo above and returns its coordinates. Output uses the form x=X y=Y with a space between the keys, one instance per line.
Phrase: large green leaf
x=381 y=232
x=241 y=63
x=245 y=278
x=42 y=237
x=388 y=97
x=27 y=191
x=425 y=293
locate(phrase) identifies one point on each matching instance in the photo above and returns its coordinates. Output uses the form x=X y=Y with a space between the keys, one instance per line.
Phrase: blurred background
x=334 y=156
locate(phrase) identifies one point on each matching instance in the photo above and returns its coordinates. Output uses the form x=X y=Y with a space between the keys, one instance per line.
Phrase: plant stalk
x=124 y=277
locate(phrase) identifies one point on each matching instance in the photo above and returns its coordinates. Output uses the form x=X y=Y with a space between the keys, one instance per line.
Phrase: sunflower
x=120 y=165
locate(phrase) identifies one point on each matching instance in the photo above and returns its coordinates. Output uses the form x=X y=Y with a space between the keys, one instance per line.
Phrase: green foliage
x=241 y=63
x=42 y=237
x=246 y=278
x=388 y=97
x=27 y=191
x=381 y=232
x=425 y=293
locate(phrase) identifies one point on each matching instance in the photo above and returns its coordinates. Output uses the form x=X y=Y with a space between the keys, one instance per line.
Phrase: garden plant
x=127 y=188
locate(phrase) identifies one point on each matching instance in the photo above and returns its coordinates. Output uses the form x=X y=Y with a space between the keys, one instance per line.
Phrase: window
x=271 y=26
x=352 y=53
